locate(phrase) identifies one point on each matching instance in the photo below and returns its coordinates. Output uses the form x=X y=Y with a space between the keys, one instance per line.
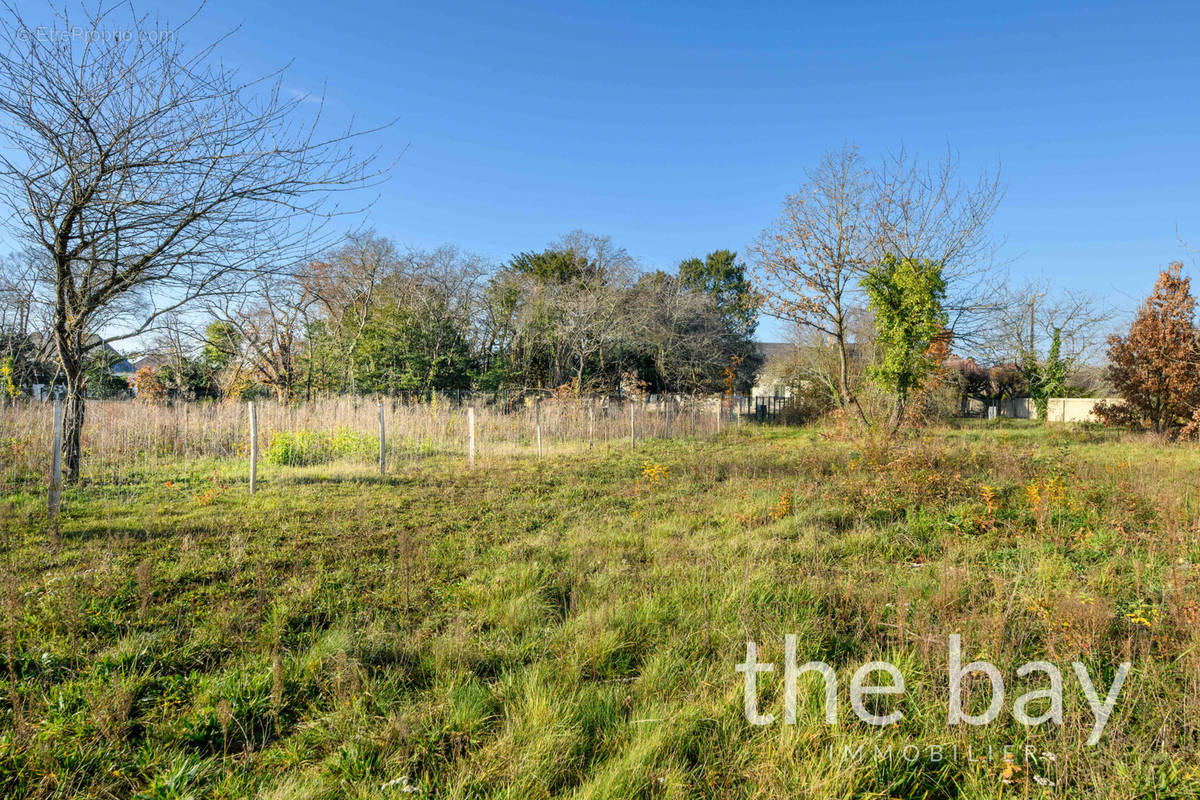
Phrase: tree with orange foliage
x=1156 y=367
x=149 y=385
x=918 y=409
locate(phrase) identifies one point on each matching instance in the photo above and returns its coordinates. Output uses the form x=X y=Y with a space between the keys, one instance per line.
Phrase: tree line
x=157 y=193
x=369 y=317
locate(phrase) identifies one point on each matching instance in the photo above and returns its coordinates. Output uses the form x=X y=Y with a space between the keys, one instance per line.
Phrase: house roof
x=153 y=360
x=775 y=350
x=44 y=342
x=770 y=350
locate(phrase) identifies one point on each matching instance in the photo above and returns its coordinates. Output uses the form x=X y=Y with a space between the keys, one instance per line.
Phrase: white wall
x=1018 y=408
x=1075 y=409
x=1058 y=409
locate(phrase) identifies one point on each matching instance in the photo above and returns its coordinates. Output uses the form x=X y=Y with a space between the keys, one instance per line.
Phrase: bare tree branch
x=154 y=177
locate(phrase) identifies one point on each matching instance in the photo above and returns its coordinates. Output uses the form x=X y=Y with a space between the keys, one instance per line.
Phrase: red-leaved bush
x=1156 y=366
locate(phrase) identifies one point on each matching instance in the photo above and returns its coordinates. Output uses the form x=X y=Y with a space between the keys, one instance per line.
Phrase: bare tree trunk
x=73 y=410
x=849 y=400
x=898 y=415
x=843 y=373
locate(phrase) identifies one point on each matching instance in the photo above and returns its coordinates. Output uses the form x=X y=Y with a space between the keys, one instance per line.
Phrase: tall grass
x=121 y=439
x=570 y=628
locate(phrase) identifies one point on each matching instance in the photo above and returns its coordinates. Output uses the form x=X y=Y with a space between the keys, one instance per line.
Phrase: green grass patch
x=570 y=627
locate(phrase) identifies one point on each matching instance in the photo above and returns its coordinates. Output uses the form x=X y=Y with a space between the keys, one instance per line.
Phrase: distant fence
x=1018 y=408
x=763 y=409
x=124 y=441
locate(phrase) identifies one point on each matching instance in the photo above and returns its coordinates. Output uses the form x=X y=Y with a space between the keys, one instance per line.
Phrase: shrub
x=8 y=387
x=305 y=447
x=296 y=449
x=803 y=409
x=347 y=443
x=149 y=386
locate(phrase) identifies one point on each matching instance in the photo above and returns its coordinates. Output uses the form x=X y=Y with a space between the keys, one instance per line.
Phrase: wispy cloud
x=303 y=95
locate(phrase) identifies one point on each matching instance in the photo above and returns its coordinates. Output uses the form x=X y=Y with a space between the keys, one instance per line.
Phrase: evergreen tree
x=1048 y=378
x=906 y=297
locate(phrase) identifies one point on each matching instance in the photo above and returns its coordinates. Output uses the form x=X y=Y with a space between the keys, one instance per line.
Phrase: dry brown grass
x=128 y=436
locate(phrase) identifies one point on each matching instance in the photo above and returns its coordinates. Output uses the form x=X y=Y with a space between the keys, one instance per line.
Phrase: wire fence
x=126 y=443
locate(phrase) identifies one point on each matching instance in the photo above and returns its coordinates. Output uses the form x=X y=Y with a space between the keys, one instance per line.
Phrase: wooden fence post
x=253 y=448
x=55 y=498
x=471 y=434
x=591 y=422
x=382 y=442
x=537 y=424
x=632 y=425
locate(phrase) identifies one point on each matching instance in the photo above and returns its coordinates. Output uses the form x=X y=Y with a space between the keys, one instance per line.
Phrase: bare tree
x=813 y=365
x=21 y=315
x=809 y=262
x=570 y=322
x=1025 y=316
x=344 y=284
x=151 y=175
x=18 y=285
x=367 y=272
x=447 y=285
x=270 y=325
x=989 y=385
x=682 y=329
x=926 y=212
x=586 y=323
x=560 y=308
x=174 y=339
x=847 y=217
x=601 y=255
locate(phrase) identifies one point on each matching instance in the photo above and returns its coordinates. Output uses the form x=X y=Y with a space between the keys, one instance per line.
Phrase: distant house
x=119 y=366
x=770 y=380
x=123 y=368
x=784 y=364
x=153 y=361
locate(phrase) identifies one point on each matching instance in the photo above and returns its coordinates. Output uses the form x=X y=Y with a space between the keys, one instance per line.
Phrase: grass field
x=571 y=627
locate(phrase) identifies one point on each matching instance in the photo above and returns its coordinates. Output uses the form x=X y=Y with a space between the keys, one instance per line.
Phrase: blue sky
x=677 y=129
